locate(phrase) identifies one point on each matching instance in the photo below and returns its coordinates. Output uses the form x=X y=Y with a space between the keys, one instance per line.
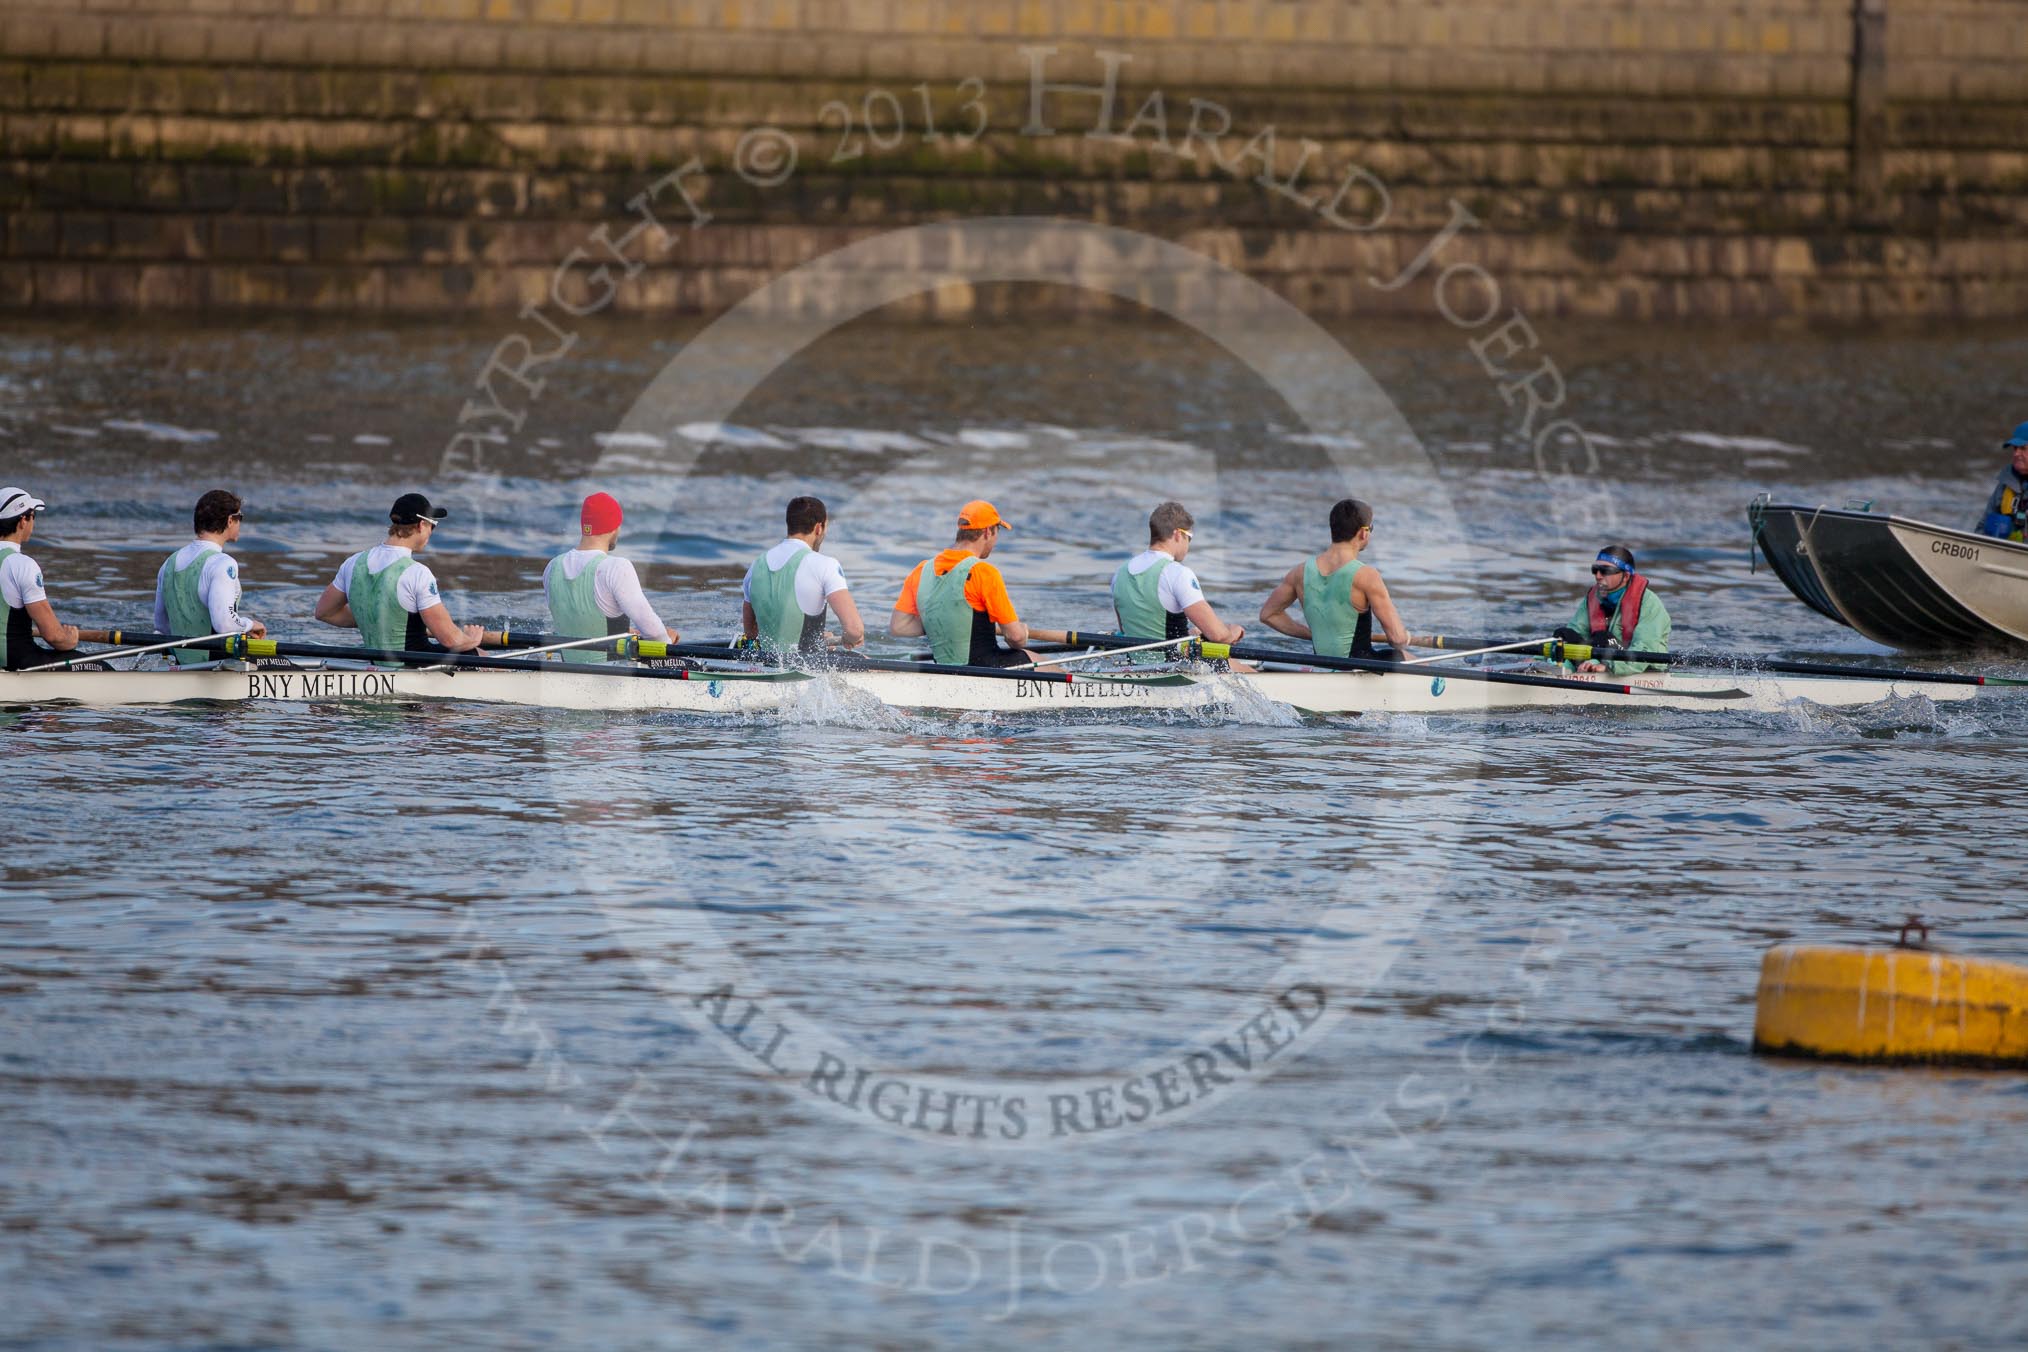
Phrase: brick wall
x=1642 y=159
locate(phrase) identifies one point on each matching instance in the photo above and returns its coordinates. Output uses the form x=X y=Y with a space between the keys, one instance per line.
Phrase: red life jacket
x=1629 y=614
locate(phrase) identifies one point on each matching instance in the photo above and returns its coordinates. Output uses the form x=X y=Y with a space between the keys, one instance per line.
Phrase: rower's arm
x=1381 y=606
x=904 y=624
x=1274 y=612
x=852 y=629
x=333 y=608
x=1208 y=624
x=62 y=637
x=749 y=623
x=437 y=619
x=1015 y=632
x=633 y=602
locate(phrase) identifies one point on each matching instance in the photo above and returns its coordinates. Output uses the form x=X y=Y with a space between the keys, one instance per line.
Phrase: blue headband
x=1613 y=559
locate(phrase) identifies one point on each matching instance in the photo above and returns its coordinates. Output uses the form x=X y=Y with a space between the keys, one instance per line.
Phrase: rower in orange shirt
x=960 y=601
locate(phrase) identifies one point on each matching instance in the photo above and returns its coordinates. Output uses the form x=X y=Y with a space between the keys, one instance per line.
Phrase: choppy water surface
x=334 y=1027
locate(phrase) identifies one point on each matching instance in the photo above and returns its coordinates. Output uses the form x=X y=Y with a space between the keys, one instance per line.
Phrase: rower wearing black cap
x=1620 y=611
x=389 y=596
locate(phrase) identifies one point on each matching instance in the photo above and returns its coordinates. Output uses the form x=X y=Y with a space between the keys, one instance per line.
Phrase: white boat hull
x=1309 y=692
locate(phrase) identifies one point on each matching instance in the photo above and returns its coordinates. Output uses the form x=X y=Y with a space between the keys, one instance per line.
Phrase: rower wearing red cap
x=960 y=601
x=594 y=591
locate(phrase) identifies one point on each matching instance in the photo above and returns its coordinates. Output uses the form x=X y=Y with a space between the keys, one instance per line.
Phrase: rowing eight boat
x=718 y=691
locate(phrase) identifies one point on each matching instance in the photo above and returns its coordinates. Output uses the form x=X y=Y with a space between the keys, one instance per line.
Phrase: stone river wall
x=1636 y=158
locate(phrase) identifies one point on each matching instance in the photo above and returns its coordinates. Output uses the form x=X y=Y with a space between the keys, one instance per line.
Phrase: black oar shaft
x=1555 y=650
x=1249 y=653
x=245 y=647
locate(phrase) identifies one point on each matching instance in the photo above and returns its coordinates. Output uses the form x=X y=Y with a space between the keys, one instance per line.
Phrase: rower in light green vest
x=391 y=597
x=788 y=589
x=376 y=603
x=177 y=599
x=593 y=591
x=1340 y=595
x=949 y=620
x=960 y=601
x=197 y=589
x=1155 y=595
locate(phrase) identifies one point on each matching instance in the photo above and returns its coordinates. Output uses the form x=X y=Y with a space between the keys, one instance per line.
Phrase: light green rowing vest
x=1328 y=609
x=946 y=614
x=18 y=624
x=376 y=607
x=189 y=617
x=1137 y=601
x=778 y=616
x=574 y=607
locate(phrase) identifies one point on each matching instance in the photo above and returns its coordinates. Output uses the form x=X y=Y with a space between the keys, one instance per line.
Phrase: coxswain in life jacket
x=1623 y=601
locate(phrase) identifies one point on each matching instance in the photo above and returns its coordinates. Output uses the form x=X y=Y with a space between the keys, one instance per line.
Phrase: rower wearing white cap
x=28 y=609
x=787 y=589
x=594 y=591
x=197 y=589
x=389 y=596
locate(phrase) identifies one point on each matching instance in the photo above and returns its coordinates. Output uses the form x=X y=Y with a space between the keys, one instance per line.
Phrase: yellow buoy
x=1891 y=1004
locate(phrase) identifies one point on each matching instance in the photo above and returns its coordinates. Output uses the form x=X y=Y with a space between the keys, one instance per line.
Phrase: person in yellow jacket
x=2006 y=516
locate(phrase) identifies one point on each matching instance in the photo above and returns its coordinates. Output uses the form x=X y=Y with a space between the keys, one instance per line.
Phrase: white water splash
x=827 y=701
x=1238 y=702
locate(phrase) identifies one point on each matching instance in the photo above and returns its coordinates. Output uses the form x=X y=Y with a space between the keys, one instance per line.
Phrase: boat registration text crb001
x=1107 y=690
x=319 y=685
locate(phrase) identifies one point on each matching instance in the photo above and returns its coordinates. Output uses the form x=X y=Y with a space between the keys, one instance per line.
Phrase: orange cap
x=980 y=514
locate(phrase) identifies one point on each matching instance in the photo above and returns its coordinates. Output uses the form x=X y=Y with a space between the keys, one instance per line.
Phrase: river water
x=328 y=1026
